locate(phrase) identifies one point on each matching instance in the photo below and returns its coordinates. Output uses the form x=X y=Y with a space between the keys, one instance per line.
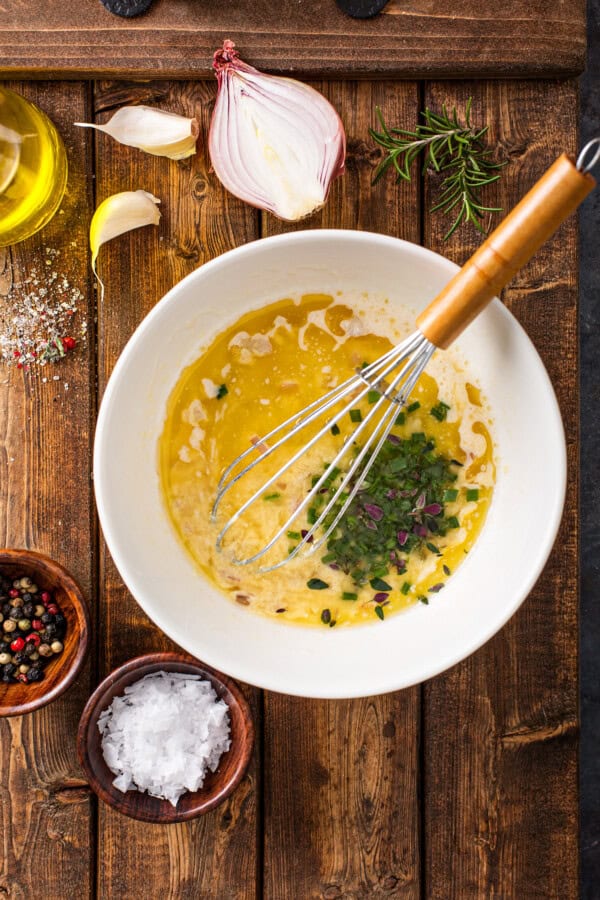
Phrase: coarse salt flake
x=164 y=734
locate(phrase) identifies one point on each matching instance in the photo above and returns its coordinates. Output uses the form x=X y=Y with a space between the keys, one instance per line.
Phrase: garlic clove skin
x=154 y=131
x=121 y=213
x=274 y=142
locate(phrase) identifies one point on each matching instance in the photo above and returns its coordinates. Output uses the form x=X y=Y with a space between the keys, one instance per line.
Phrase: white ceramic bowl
x=369 y=659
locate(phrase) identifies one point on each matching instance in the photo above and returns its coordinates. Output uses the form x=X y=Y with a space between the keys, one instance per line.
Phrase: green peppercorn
x=33 y=656
x=24 y=668
x=24 y=624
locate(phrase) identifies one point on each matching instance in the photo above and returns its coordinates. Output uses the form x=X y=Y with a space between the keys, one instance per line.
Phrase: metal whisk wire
x=412 y=355
x=555 y=196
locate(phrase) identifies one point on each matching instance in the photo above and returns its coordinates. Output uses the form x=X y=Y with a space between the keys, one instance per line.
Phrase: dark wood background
x=411 y=38
x=465 y=787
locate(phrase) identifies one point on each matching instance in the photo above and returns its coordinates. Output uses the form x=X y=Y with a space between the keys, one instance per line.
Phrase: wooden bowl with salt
x=217 y=785
x=61 y=670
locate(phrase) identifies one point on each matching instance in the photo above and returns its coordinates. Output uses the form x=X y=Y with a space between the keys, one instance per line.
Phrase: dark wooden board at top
x=410 y=38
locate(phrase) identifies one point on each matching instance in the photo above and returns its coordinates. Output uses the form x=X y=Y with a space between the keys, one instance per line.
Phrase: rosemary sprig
x=453 y=148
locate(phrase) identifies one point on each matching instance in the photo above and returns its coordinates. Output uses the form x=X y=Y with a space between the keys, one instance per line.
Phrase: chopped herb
x=335 y=429
x=413 y=407
x=222 y=391
x=447 y=570
x=381 y=597
x=332 y=623
x=452 y=522
x=433 y=549
x=373 y=396
x=439 y=411
x=326 y=616
x=424 y=599
x=312 y=515
x=355 y=415
x=271 y=496
x=378 y=584
x=456 y=463
x=436 y=588
x=329 y=557
x=294 y=535
x=315 y=584
x=400 y=419
x=379 y=612
x=348 y=595
x=405 y=588
x=450 y=496
x=472 y=494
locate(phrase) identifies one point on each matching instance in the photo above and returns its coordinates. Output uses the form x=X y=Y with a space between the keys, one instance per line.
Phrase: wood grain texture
x=500 y=733
x=215 y=856
x=411 y=38
x=45 y=503
x=341 y=778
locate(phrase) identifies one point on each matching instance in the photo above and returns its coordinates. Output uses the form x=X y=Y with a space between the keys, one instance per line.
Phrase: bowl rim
x=443 y=661
x=119 y=678
x=14 y=555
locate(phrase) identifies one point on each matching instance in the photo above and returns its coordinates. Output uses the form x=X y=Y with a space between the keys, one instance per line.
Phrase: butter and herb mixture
x=417 y=514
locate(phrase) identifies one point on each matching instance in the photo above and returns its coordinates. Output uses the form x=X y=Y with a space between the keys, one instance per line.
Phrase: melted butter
x=273 y=362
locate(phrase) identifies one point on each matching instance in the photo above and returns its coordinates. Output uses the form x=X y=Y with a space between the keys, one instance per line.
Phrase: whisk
x=394 y=375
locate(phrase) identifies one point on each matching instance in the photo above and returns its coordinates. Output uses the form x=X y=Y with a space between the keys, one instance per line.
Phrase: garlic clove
x=118 y=214
x=154 y=131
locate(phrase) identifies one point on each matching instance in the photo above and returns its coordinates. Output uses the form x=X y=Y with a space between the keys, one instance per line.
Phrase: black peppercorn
x=27 y=597
x=34 y=674
x=28 y=610
x=47 y=618
x=30 y=648
x=9 y=669
x=50 y=630
x=60 y=621
x=20 y=657
x=16 y=613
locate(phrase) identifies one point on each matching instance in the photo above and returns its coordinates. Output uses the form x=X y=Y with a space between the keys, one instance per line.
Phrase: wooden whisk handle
x=549 y=202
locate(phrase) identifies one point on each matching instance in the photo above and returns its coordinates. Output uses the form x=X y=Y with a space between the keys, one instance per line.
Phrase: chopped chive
x=418 y=437
x=439 y=411
x=378 y=584
x=294 y=535
x=379 y=612
x=424 y=600
x=222 y=391
x=315 y=584
x=332 y=623
x=433 y=549
x=271 y=496
x=457 y=463
x=373 y=396
x=405 y=588
x=413 y=407
x=472 y=494
x=335 y=429
x=355 y=415
x=450 y=496
x=312 y=515
x=447 y=570
x=400 y=419
x=326 y=616
x=452 y=522
x=348 y=595
x=329 y=557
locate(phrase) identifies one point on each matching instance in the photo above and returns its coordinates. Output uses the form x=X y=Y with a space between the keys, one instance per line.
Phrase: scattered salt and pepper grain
x=38 y=321
x=164 y=734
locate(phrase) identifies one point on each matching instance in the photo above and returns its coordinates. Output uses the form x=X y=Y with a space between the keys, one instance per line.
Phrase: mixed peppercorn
x=32 y=629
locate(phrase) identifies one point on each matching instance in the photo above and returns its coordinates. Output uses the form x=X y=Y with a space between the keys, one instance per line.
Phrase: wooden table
x=465 y=787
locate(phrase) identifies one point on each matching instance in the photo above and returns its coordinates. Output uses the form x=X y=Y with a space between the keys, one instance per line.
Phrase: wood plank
x=411 y=38
x=46 y=811
x=216 y=855
x=500 y=729
x=341 y=778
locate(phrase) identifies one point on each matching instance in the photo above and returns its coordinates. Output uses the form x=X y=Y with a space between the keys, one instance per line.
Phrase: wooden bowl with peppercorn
x=220 y=778
x=44 y=630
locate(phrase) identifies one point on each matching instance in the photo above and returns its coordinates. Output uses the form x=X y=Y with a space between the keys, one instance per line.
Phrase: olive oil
x=33 y=168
